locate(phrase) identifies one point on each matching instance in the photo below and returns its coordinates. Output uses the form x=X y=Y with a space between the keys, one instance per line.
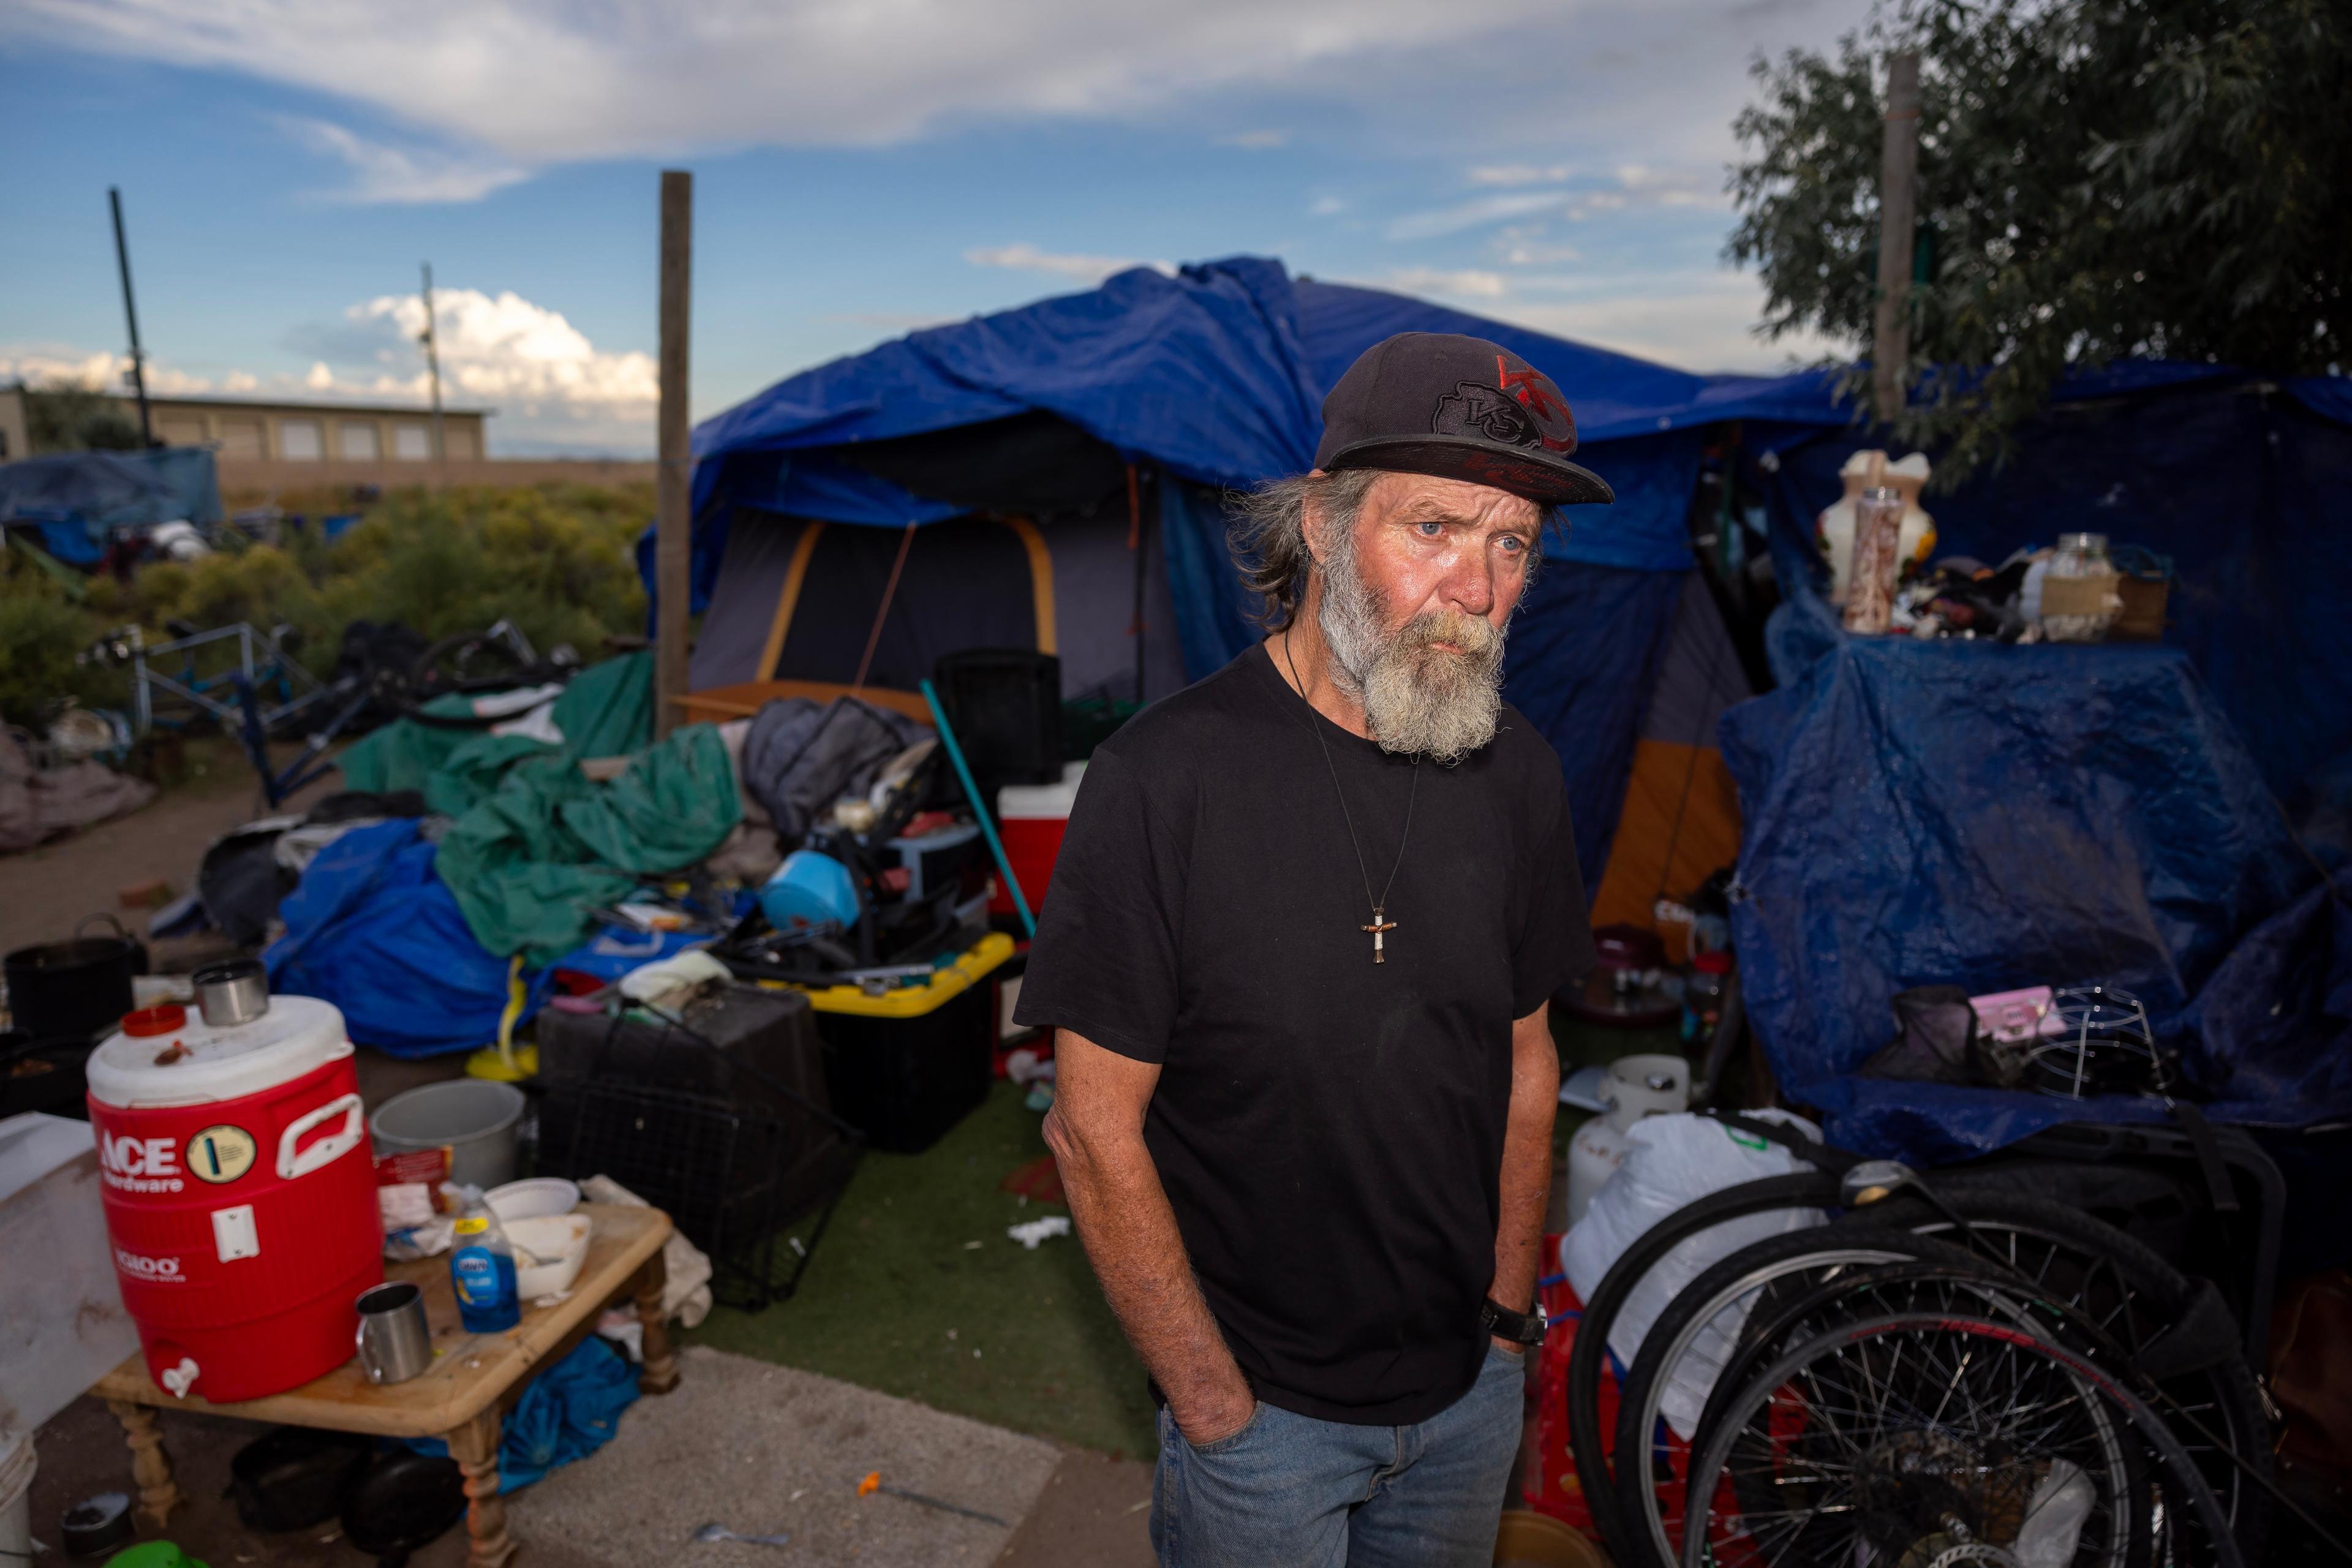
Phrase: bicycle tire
x=1756 y=1267
x=2178 y=1474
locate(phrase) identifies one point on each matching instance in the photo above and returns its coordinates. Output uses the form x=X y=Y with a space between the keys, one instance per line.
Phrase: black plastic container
x=1006 y=705
x=903 y=1082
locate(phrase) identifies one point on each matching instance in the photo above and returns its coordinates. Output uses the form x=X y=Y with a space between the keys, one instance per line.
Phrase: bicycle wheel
x=1588 y=1443
x=1700 y=1335
x=1934 y=1439
x=2135 y=1297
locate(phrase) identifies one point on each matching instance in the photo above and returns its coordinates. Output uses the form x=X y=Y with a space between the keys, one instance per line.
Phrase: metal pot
x=61 y=990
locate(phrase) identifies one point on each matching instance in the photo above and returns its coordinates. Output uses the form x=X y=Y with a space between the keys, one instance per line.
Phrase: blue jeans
x=1290 y=1491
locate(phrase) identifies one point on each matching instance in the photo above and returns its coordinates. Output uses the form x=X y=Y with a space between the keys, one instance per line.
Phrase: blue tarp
x=1216 y=375
x=2243 y=490
x=566 y=1413
x=373 y=930
x=78 y=498
x=1993 y=818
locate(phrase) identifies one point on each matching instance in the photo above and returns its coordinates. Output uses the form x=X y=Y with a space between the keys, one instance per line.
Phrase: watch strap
x=1523 y=1328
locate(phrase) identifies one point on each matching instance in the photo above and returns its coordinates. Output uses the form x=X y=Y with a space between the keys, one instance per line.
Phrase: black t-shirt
x=1329 y=1131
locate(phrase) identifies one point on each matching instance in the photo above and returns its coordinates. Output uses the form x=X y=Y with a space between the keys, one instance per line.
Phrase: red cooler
x=239 y=1193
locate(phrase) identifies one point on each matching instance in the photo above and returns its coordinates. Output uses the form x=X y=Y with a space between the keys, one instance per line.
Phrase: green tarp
x=536 y=845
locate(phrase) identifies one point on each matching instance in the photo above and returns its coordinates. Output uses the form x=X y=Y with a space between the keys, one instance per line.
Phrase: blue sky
x=860 y=170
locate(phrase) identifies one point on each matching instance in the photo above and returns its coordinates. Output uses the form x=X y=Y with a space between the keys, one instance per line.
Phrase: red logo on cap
x=1536 y=393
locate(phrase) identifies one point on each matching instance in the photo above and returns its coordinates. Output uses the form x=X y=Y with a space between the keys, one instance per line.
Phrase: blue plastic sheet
x=2241 y=489
x=566 y=1413
x=1993 y=818
x=373 y=930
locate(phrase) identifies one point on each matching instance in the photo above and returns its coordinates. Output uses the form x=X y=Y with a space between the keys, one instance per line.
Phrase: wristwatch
x=1524 y=1328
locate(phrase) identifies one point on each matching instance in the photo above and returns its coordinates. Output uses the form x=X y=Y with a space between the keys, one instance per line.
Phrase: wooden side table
x=462 y=1397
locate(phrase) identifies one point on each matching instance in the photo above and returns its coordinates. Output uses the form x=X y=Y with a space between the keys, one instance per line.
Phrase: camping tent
x=1076 y=448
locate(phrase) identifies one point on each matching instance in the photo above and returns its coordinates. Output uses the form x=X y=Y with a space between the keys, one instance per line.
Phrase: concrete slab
x=768 y=1449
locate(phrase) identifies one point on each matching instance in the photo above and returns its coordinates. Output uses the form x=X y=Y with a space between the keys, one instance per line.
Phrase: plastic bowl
x=535 y=1197
x=562 y=1240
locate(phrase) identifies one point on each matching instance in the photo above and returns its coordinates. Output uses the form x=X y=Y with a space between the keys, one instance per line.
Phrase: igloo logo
x=163 y=1270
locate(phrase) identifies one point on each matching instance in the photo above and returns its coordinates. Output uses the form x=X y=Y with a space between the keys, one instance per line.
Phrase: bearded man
x=1298 y=952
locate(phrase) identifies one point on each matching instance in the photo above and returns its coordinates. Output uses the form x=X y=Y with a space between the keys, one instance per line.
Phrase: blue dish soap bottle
x=482 y=1270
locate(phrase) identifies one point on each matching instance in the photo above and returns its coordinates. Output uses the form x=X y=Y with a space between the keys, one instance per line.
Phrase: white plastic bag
x=1671 y=1162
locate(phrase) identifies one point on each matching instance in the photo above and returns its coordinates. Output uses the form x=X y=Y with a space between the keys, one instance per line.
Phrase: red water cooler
x=240 y=1197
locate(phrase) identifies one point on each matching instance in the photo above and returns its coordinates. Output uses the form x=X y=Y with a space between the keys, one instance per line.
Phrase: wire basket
x=2096 y=1041
x=734 y=1160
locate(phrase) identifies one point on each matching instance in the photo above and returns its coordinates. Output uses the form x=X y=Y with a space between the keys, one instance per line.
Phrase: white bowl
x=532 y=1198
x=562 y=1240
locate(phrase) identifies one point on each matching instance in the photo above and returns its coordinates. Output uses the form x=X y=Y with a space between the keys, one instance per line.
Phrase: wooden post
x=1898 y=211
x=130 y=314
x=673 y=542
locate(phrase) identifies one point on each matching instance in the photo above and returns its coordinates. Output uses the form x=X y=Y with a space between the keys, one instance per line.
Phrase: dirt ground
x=44 y=891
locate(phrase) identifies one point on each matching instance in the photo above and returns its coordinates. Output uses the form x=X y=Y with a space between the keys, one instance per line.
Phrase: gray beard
x=1417 y=701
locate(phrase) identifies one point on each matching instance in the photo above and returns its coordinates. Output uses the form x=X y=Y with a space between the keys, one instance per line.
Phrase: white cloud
x=1702 y=321
x=1521 y=175
x=1256 y=141
x=383 y=174
x=545 y=82
x=1466 y=282
x=50 y=365
x=1087 y=269
x=1474 y=214
x=1327 y=207
x=553 y=388
x=1528 y=247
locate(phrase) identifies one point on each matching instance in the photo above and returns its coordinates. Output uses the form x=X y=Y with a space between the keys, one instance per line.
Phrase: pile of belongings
x=436 y=901
x=37 y=802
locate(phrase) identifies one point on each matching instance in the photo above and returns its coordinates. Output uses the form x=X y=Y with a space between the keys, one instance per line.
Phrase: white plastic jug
x=1635 y=1087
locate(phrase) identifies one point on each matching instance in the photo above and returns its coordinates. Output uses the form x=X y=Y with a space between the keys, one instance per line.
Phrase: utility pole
x=1899 y=212
x=673 y=542
x=137 y=358
x=433 y=366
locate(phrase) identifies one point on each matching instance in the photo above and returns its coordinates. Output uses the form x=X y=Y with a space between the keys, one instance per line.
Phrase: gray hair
x=1267 y=537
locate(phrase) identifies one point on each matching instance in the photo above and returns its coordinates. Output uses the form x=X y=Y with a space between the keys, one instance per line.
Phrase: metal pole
x=130 y=311
x=433 y=367
x=1898 y=208
x=673 y=542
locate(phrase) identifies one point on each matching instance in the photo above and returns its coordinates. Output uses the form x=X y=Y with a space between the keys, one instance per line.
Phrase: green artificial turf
x=899 y=1298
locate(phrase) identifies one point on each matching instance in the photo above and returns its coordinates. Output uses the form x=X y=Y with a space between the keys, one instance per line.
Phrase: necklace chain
x=1380 y=904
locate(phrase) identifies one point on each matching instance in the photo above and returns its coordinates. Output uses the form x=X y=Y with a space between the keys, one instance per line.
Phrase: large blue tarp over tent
x=1215 y=376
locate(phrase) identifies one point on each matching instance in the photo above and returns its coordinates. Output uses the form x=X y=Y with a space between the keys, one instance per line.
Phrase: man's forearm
x=1131 y=1236
x=1526 y=1160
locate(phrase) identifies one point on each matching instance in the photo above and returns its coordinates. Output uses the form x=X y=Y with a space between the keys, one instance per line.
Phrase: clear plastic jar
x=2079 y=592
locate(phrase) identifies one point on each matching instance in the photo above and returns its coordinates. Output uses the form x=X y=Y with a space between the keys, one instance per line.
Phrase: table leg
x=151 y=1466
x=659 y=1372
x=475 y=1446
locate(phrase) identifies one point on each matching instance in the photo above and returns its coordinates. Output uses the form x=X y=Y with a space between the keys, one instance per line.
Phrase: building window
x=412 y=443
x=300 y=441
x=358 y=442
x=241 y=438
x=463 y=441
x=182 y=432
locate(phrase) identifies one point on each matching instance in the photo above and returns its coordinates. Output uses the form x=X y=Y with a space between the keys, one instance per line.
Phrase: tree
x=2097 y=178
x=74 y=416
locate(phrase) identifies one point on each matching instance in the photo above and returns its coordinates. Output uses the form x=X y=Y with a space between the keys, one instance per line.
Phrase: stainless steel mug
x=396 y=1342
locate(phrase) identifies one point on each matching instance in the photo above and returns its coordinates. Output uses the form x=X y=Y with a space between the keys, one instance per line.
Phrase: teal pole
x=979 y=809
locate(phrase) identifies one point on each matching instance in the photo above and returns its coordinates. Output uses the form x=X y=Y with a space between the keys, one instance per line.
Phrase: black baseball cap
x=1460 y=408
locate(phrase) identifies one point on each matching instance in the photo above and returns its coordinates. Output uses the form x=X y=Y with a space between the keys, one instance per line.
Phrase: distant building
x=253 y=431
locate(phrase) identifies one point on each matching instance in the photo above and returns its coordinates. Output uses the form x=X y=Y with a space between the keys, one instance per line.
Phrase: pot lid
x=198 y=1063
